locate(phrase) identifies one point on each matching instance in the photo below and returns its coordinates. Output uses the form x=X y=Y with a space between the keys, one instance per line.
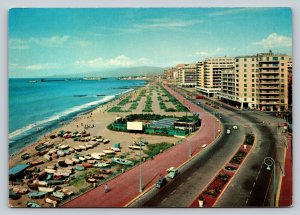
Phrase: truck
x=200 y=97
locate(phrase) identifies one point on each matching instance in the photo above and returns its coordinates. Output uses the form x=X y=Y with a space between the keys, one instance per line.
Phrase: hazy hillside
x=120 y=72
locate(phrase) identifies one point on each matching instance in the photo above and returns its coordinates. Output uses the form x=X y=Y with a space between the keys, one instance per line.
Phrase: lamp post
x=190 y=146
x=270 y=162
x=141 y=186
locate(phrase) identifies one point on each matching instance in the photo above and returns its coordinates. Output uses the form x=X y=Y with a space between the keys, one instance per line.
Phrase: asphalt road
x=253 y=185
x=181 y=191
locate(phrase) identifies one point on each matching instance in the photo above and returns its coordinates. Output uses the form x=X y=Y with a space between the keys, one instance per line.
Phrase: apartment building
x=209 y=74
x=261 y=82
x=187 y=75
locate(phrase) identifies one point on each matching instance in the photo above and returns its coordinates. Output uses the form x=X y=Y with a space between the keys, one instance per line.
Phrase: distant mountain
x=119 y=72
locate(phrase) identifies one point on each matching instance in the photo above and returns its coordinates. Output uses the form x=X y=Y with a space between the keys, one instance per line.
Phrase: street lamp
x=141 y=186
x=270 y=162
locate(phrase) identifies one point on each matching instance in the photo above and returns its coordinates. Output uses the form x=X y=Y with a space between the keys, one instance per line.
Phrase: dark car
x=230 y=168
x=161 y=182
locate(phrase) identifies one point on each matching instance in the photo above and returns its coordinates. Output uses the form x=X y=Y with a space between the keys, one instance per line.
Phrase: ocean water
x=37 y=107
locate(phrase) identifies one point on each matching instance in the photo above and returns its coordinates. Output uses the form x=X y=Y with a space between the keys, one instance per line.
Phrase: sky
x=45 y=42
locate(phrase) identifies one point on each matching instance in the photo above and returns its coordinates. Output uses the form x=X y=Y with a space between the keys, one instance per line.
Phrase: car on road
x=172 y=172
x=161 y=182
x=204 y=145
x=230 y=168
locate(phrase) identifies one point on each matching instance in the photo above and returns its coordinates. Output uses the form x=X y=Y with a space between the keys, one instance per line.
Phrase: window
x=245 y=65
x=282 y=70
x=252 y=65
x=275 y=58
x=245 y=70
x=282 y=58
x=237 y=60
x=252 y=59
x=245 y=94
x=245 y=75
x=253 y=75
x=253 y=80
x=252 y=70
x=245 y=80
x=275 y=64
x=245 y=59
x=253 y=85
x=268 y=58
x=282 y=64
x=253 y=90
x=245 y=99
x=253 y=98
x=245 y=85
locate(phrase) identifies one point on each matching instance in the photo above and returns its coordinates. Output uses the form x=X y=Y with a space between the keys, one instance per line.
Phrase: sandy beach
x=95 y=123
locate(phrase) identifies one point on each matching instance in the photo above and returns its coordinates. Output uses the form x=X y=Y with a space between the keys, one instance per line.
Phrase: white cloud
x=275 y=40
x=45 y=66
x=233 y=11
x=50 y=41
x=166 y=24
x=209 y=53
x=53 y=41
x=119 y=61
x=18 y=44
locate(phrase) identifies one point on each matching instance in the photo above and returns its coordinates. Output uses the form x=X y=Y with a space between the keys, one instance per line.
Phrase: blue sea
x=36 y=107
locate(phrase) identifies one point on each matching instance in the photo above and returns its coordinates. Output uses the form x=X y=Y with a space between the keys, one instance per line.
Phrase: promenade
x=125 y=187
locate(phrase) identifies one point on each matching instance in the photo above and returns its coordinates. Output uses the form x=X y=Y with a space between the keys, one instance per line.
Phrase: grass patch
x=155 y=149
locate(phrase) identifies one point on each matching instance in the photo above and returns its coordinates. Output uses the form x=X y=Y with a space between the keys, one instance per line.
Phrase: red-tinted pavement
x=125 y=187
x=286 y=191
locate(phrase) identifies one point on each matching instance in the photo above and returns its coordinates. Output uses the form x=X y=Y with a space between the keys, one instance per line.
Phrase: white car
x=235 y=127
x=204 y=145
x=228 y=131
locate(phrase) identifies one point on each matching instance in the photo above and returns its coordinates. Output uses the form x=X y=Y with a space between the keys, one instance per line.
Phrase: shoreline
x=58 y=126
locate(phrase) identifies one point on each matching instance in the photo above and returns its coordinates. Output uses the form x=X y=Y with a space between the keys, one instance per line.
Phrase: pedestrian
x=106 y=188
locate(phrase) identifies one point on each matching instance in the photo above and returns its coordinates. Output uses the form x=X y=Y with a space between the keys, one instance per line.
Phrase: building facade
x=209 y=74
x=261 y=82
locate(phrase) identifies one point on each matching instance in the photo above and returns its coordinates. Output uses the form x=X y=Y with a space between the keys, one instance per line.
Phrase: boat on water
x=123 y=161
x=32 y=205
x=36 y=195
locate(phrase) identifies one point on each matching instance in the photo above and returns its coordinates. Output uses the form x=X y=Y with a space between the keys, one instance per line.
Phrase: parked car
x=228 y=131
x=161 y=182
x=235 y=127
x=204 y=145
x=173 y=173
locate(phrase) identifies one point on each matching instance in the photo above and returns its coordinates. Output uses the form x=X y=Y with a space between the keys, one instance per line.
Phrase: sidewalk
x=125 y=187
x=286 y=190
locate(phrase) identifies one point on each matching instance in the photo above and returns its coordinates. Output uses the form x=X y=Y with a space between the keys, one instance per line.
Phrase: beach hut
x=17 y=172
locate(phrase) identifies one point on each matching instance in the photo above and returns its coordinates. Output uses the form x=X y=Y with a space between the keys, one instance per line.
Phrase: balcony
x=267 y=82
x=268 y=92
x=268 y=77
x=268 y=66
